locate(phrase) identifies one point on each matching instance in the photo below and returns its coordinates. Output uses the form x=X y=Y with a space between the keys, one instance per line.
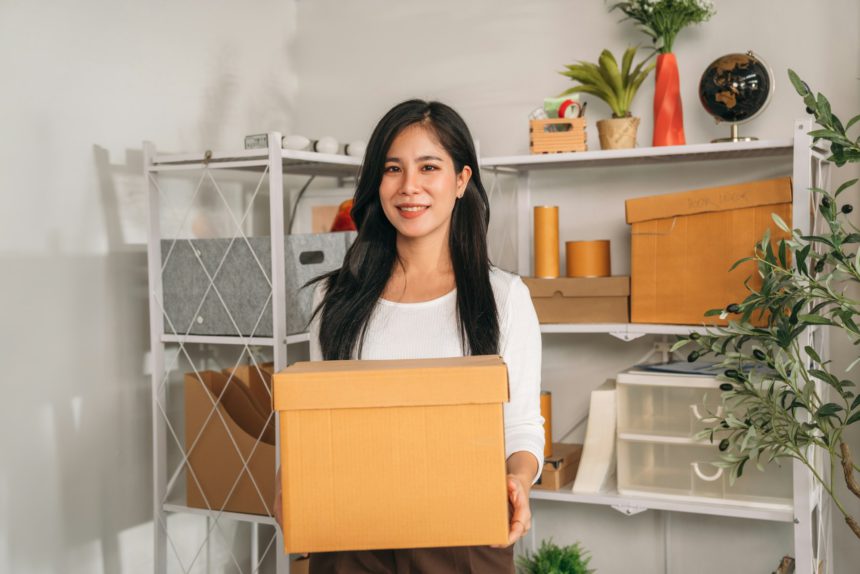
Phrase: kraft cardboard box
x=560 y=469
x=393 y=454
x=683 y=245
x=580 y=300
x=214 y=460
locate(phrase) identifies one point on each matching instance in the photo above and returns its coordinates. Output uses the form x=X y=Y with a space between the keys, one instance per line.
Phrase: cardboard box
x=560 y=469
x=580 y=300
x=217 y=476
x=393 y=454
x=684 y=244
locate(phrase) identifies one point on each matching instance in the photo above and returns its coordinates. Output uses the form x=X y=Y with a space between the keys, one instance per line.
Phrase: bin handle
x=706 y=477
x=713 y=419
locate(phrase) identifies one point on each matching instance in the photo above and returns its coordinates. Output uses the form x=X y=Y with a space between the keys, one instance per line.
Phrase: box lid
x=579 y=286
x=370 y=383
x=738 y=196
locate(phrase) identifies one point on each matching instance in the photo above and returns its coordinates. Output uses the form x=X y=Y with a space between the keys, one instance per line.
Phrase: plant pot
x=668 y=111
x=618 y=133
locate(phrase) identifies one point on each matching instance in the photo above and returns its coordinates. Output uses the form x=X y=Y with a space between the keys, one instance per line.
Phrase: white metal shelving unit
x=809 y=515
x=270 y=166
x=810 y=511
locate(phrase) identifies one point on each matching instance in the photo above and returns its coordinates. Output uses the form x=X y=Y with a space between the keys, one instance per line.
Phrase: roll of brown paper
x=588 y=258
x=546 y=241
x=546 y=412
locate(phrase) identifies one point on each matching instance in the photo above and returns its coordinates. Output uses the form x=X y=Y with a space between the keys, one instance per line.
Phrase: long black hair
x=352 y=291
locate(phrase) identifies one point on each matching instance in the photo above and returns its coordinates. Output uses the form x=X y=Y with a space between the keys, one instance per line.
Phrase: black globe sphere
x=736 y=87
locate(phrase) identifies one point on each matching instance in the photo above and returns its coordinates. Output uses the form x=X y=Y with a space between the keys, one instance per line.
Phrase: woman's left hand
x=521 y=517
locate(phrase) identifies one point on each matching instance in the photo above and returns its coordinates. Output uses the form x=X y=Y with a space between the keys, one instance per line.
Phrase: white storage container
x=683 y=468
x=666 y=404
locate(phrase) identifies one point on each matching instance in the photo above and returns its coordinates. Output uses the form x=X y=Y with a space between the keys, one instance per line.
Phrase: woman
x=417 y=283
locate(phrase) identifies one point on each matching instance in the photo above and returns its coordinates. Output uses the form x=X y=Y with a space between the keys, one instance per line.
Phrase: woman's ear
x=463 y=180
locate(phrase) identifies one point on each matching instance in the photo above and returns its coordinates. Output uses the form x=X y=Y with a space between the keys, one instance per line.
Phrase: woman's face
x=420 y=184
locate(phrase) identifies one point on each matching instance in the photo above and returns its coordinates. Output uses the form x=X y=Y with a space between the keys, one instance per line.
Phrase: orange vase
x=668 y=113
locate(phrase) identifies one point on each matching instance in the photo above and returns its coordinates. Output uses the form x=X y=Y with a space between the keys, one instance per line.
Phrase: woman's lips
x=412 y=211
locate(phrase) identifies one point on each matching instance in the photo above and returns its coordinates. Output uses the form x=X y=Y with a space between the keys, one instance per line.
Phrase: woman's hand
x=521 y=517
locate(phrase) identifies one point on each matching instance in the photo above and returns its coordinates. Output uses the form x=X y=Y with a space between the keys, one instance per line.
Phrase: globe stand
x=734 y=137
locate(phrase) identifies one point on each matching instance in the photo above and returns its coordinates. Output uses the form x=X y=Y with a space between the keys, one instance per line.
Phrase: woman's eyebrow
x=422 y=158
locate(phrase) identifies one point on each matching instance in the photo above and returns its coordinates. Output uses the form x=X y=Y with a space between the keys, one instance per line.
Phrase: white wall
x=83 y=84
x=494 y=62
x=86 y=82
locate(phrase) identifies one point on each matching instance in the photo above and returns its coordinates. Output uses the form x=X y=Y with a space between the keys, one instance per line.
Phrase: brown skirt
x=451 y=560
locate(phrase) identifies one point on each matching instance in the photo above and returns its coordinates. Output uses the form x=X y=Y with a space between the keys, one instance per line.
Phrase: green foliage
x=783 y=398
x=551 y=559
x=615 y=86
x=662 y=20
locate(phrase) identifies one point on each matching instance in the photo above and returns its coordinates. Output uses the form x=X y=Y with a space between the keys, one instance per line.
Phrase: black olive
x=759 y=354
x=726 y=387
x=724 y=445
x=731 y=373
x=693 y=357
x=724 y=424
x=733 y=308
x=695 y=336
x=819 y=267
x=809 y=111
x=825 y=203
x=847 y=208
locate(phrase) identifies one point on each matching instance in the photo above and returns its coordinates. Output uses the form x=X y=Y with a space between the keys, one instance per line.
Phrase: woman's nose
x=410 y=182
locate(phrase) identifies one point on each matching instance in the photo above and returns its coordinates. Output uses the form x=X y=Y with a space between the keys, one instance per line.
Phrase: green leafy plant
x=782 y=399
x=615 y=86
x=662 y=20
x=551 y=559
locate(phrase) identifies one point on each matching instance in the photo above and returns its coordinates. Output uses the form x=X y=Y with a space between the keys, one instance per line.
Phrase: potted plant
x=662 y=20
x=773 y=381
x=615 y=86
x=550 y=559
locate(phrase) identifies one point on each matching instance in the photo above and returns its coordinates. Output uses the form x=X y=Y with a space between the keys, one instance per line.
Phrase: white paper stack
x=597 y=466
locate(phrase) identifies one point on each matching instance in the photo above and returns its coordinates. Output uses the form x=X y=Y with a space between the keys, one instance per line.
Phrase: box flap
x=579 y=286
x=738 y=196
x=369 y=384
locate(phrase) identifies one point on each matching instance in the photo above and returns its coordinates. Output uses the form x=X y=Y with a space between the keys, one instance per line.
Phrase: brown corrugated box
x=580 y=300
x=393 y=454
x=217 y=476
x=683 y=245
x=560 y=468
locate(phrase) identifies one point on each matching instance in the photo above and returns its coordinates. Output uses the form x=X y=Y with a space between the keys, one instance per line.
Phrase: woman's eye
x=391 y=169
x=430 y=167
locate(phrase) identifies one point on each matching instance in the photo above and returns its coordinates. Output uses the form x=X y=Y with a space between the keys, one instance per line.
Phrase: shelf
x=215 y=514
x=226 y=340
x=623 y=331
x=293 y=162
x=644 y=155
x=631 y=505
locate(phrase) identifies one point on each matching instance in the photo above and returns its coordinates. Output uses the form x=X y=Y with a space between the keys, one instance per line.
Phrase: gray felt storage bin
x=243 y=288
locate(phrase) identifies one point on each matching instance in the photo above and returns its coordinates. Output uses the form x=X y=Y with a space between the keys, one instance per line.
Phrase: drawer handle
x=705 y=477
x=713 y=419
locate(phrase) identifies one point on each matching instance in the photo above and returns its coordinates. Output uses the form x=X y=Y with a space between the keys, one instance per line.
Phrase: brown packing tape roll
x=546 y=241
x=546 y=413
x=588 y=258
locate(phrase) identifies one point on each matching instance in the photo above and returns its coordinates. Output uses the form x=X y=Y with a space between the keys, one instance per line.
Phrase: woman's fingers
x=521 y=515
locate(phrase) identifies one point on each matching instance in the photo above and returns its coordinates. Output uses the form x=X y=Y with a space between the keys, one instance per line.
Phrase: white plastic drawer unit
x=682 y=468
x=666 y=404
x=659 y=415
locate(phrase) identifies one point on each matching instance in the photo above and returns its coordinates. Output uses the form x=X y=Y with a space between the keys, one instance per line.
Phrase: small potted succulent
x=552 y=559
x=616 y=86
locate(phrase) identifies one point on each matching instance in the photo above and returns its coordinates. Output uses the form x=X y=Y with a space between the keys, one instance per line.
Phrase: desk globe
x=735 y=88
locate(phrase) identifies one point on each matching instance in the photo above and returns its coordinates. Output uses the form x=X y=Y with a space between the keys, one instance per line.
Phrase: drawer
x=685 y=469
x=664 y=404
